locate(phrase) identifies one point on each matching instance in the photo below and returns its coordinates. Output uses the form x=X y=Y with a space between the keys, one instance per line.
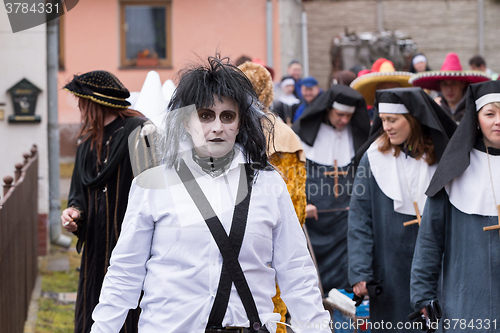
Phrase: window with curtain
x=145 y=33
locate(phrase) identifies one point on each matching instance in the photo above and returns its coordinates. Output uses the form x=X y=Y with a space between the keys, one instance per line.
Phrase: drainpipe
x=269 y=33
x=380 y=15
x=56 y=237
x=480 y=23
x=305 y=50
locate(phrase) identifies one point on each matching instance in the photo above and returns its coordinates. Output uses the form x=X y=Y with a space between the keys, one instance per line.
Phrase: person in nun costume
x=331 y=130
x=408 y=136
x=459 y=235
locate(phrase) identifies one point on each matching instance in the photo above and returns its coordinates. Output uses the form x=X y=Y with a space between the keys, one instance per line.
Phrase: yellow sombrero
x=382 y=71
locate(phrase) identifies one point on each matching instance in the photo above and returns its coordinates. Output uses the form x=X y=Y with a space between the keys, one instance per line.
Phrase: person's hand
x=311 y=212
x=68 y=218
x=148 y=129
x=360 y=288
x=424 y=312
x=438 y=100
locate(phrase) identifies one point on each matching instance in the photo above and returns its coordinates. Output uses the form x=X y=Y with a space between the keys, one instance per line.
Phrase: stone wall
x=290 y=33
x=437 y=26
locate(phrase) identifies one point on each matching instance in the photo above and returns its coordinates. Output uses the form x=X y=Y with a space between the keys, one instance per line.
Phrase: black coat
x=100 y=192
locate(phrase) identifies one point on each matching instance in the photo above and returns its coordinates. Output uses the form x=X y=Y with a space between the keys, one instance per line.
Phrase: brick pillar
x=43 y=237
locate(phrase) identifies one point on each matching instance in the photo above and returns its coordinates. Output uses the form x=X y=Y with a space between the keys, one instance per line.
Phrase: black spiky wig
x=198 y=87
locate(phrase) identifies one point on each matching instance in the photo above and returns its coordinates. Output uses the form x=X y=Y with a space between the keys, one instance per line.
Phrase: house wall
x=23 y=55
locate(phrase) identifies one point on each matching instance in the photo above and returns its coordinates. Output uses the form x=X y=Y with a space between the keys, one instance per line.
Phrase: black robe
x=372 y=223
x=453 y=243
x=100 y=192
x=328 y=233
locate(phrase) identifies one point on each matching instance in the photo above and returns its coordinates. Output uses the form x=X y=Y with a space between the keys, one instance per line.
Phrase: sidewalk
x=56 y=262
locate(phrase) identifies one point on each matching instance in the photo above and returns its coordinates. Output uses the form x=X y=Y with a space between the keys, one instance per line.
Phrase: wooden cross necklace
x=336 y=173
x=493 y=227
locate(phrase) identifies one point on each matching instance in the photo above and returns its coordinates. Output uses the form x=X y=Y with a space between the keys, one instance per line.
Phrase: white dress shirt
x=166 y=249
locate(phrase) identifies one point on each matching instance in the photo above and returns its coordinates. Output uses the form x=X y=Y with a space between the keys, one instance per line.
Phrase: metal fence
x=18 y=243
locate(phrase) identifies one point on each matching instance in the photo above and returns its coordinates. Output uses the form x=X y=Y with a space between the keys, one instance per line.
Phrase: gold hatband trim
x=92 y=98
x=101 y=95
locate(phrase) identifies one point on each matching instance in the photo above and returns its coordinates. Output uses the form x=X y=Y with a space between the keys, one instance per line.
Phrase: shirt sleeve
x=360 y=232
x=429 y=250
x=124 y=279
x=296 y=274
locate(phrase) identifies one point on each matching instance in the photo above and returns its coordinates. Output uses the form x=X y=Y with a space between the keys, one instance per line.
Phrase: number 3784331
x=34 y=8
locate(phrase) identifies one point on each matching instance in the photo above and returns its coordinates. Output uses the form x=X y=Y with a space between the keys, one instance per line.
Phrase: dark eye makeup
x=207 y=116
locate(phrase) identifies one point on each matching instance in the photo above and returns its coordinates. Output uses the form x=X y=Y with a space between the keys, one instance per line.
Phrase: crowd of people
x=393 y=174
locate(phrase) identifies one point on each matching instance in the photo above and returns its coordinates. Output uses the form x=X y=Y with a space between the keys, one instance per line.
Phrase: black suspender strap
x=236 y=234
x=229 y=247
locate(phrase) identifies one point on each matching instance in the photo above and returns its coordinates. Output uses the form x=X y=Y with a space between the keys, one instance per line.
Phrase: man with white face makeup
x=213 y=130
x=207 y=234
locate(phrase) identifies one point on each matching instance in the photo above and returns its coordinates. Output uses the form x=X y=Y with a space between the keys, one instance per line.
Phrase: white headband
x=419 y=58
x=392 y=108
x=343 y=107
x=287 y=82
x=486 y=99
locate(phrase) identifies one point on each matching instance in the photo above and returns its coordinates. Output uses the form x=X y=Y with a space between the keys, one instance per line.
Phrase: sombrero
x=101 y=87
x=382 y=71
x=450 y=70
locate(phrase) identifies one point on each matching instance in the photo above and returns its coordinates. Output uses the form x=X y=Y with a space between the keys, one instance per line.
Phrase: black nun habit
x=324 y=146
x=452 y=245
x=386 y=188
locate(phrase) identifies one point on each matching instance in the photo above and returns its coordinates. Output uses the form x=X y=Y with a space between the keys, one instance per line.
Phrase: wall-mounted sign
x=24 y=95
x=2 y=112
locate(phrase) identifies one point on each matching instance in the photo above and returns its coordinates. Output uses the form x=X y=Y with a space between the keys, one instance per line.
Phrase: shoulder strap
x=236 y=238
x=229 y=247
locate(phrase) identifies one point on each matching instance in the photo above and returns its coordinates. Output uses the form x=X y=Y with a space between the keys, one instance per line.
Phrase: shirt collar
x=187 y=156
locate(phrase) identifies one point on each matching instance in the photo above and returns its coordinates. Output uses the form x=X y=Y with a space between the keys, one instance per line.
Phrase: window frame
x=162 y=62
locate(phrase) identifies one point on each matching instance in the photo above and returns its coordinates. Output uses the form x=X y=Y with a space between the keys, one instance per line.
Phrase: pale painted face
x=339 y=119
x=396 y=126
x=489 y=122
x=214 y=130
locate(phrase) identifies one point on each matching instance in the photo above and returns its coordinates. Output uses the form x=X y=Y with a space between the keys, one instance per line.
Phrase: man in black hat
x=100 y=184
x=332 y=128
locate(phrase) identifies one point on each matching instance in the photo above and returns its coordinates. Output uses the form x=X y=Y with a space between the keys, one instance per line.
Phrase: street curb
x=30 y=324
